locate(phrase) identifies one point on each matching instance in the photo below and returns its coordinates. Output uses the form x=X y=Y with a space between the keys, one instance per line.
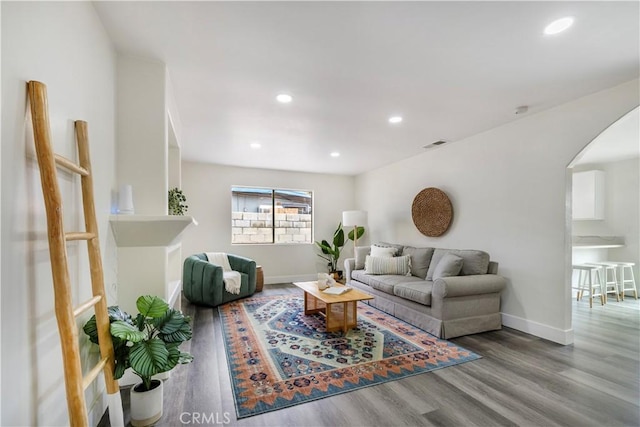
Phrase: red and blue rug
x=279 y=357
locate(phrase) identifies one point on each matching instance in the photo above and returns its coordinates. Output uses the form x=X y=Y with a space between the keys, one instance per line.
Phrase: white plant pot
x=146 y=406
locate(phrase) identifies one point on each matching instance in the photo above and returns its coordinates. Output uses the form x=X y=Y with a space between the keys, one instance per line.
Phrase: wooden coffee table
x=340 y=311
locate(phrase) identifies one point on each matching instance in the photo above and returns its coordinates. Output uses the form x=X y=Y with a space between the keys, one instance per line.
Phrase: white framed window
x=262 y=215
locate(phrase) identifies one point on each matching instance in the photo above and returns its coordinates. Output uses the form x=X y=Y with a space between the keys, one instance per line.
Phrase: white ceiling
x=451 y=69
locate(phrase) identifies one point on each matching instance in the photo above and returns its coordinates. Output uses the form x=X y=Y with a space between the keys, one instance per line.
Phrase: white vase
x=146 y=406
x=125 y=200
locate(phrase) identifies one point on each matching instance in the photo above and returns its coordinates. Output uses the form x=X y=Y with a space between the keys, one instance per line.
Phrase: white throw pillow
x=377 y=251
x=360 y=253
x=388 y=265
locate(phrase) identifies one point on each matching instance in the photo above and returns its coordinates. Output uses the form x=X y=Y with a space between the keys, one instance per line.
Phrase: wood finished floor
x=521 y=380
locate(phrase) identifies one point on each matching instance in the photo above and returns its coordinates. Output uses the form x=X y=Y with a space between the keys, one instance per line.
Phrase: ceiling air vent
x=434 y=144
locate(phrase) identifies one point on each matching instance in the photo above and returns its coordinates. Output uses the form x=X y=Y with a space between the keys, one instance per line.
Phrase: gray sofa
x=433 y=297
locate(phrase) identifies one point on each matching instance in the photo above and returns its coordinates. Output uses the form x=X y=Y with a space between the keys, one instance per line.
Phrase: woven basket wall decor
x=432 y=212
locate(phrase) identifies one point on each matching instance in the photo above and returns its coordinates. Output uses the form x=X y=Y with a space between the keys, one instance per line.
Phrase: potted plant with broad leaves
x=331 y=251
x=149 y=345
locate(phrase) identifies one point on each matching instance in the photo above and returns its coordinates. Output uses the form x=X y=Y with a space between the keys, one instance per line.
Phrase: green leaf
x=91 y=328
x=127 y=332
x=338 y=237
x=152 y=306
x=148 y=358
x=115 y=313
x=360 y=233
x=170 y=322
x=335 y=253
x=182 y=334
x=324 y=246
x=118 y=372
x=174 y=356
x=140 y=322
x=173 y=327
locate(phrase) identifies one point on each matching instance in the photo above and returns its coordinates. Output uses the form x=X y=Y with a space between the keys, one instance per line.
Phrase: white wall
x=142 y=133
x=621 y=216
x=208 y=191
x=508 y=189
x=65 y=46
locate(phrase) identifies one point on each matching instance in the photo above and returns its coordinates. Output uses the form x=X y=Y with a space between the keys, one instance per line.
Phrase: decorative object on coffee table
x=293 y=359
x=432 y=212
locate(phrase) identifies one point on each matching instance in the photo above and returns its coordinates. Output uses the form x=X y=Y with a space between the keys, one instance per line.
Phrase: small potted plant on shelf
x=176 y=200
x=149 y=345
x=331 y=251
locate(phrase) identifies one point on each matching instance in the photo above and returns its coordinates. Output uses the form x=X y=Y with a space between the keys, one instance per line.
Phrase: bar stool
x=589 y=279
x=610 y=281
x=626 y=284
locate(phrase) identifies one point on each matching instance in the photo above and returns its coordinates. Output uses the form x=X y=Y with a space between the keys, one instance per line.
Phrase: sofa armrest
x=241 y=264
x=200 y=279
x=205 y=270
x=349 y=266
x=244 y=265
x=458 y=286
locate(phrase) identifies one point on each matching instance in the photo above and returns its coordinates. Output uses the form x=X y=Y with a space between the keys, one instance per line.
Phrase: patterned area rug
x=278 y=357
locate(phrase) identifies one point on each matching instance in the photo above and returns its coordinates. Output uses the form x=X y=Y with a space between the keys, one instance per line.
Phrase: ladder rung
x=87 y=380
x=69 y=165
x=78 y=235
x=86 y=305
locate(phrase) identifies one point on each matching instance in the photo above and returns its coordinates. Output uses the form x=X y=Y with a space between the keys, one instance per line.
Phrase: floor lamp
x=354 y=219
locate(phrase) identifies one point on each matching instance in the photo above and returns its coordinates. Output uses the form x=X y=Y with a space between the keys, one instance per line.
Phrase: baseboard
x=270 y=280
x=564 y=337
x=177 y=290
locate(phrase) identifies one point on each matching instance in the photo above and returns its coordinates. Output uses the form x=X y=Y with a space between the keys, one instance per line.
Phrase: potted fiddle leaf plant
x=331 y=251
x=149 y=345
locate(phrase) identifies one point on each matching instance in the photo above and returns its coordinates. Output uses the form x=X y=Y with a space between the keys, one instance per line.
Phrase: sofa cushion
x=474 y=262
x=388 y=265
x=383 y=283
x=449 y=265
x=419 y=292
x=360 y=252
x=379 y=251
x=390 y=245
x=420 y=259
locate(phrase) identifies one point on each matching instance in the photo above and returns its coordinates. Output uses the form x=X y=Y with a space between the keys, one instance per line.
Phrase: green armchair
x=202 y=281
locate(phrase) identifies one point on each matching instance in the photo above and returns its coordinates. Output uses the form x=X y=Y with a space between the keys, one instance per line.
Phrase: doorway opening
x=604 y=222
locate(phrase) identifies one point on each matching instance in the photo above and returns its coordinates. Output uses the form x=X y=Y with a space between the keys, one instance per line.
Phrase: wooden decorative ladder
x=66 y=314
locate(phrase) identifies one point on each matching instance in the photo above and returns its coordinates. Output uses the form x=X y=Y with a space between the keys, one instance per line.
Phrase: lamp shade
x=353 y=218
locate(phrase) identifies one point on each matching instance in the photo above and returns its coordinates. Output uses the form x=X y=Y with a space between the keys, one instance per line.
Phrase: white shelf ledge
x=597 y=242
x=149 y=230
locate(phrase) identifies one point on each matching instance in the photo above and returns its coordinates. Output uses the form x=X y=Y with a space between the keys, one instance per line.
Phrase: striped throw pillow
x=388 y=265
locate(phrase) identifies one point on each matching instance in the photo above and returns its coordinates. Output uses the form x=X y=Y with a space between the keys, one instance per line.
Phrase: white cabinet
x=588 y=195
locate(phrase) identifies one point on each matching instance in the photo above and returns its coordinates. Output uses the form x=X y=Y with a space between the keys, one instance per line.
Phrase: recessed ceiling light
x=284 y=98
x=395 y=119
x=255 y=145
x=558 y=26
x=335 y=154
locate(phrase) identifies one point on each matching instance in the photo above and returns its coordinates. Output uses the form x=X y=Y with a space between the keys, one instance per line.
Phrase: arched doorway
x=604 y=197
